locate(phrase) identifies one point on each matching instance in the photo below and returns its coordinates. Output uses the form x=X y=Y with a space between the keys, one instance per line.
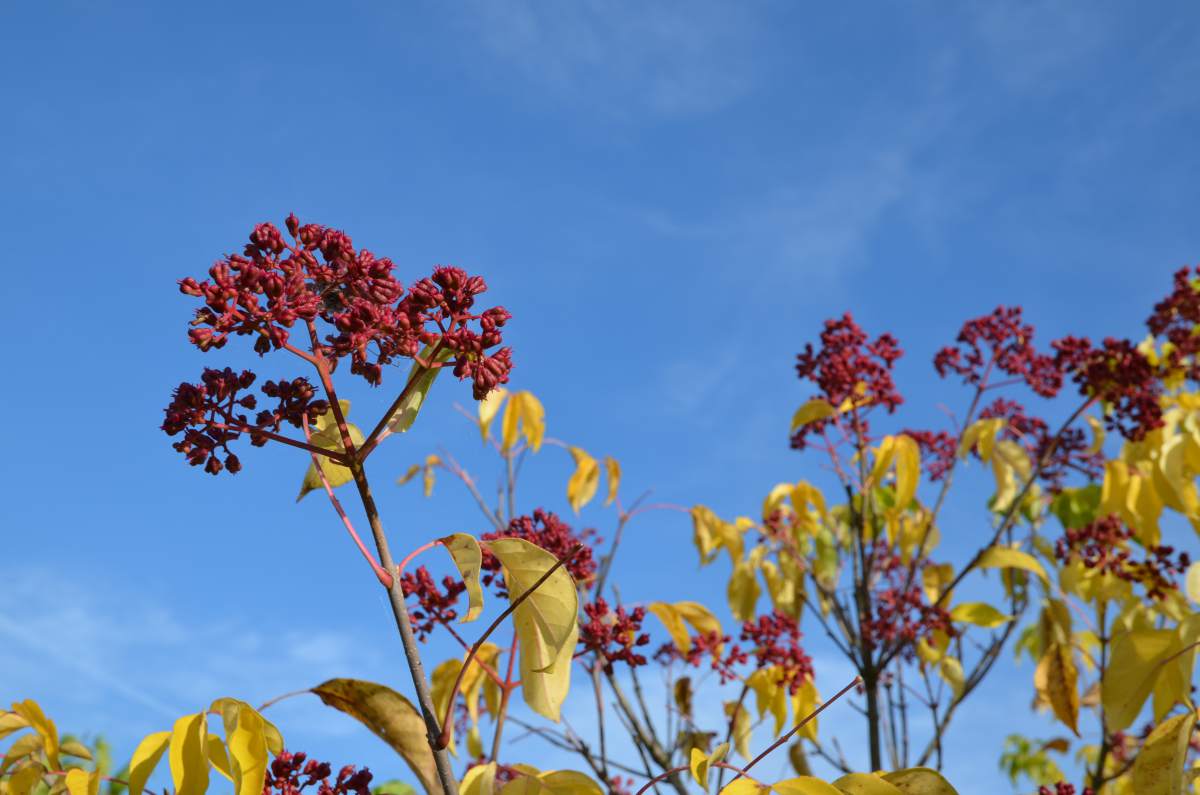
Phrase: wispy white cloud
x=664 y=57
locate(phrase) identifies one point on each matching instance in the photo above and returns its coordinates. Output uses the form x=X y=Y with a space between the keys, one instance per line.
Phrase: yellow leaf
x=981 y=435
x=804 y=785
x=582 y=485
x=545 y=622
x=935 y=578
x=11 y=722
x=33 y=715
x=229 y=708
x=743 y=591
x=743 y=786
x=865 y=784
x=704 y=534
x=805 y=701
x=145 y=759
x=782 y=589
x=479 y=780
x=674 y=614
x=769 y=695
x=468 y=557
x=488 y=408
x=247 y=752
x=80 y=782
x=25 y=778
x=812 y=411
x=421 y=379
x=1192 y=583
x=980 y=614
x=569 y=782
x=951 y=670
x=217 y=756
x=908 y=469
x=614 y=478
x=1158 y=768
x=741 y=727
x=431 y=461
x=920 y=781
x=1008 y=558
x=189 y=760
x=442 y=692
x=75 y=749
x=409 y=474
x=526 y=412
x=329 y=437
x=390 y=717
x=1057 y=682
x=1135 y=664
x=700 y=762
x=475 y=679
x=1097 y=435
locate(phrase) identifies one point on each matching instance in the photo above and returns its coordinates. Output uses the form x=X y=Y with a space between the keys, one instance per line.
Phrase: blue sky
x=669 y=197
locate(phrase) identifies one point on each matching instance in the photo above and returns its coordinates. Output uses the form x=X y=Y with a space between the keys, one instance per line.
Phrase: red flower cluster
x=546 y=530
x=613 y=637
x=290 y=774
x=847 y=358
x=1068 y=452
x=433 y=605
x=1103 y=546
x=1000 y=341
x=710 y=645
x=273 y=284
x=209 y=414
x=1176 y=318
x=900 y=615
x=1119 y=375
x=776 y=639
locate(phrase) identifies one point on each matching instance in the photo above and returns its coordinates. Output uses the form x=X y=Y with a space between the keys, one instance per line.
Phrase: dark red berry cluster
x=613 y=636
x=1061 y=454
x=723 y=656
x=209 y=414
x=776 y=642
x=999 y=341
x=847 y=357
x=434 y=605
x=264 y=291
x=900 y=615
x=1175 y=318
x=546 y=530
x=1103 y=546
x=1062 y=788
x=292 y=773
x=1119 y=375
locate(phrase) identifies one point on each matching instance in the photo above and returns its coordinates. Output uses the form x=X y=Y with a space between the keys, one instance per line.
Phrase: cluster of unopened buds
x=724 y=657
x=776 y=643
x=1062 y=788
x=291 y=773
x=900 y=614
x=1121 y=377
x=613 y=636
x=366 y=315
x=1175 y=319
x=849 y=366
x=546 y=530
x=435 y=606
x=1103 y=546
x=1002 y=342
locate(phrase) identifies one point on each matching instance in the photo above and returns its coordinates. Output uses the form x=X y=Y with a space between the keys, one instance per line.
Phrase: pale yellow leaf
x=951 y=670
x=468 y=557
x=701 y=762
x=920 y=781
x=488 y=408
x=1056 y=681
x=545 y=622
x=420 y=380
x=218 y=757
x=442 y=692
x=479 y=780
x=865 y=784
x=804 y=785
x=908 y=469
x=76 y=749
x=11 y=722
x=329 y=437
x=980 y=614
x=33 y=715
x=1193 y=582
x=25 y=778
x=743 y=591
x=583 y=482
x=80 y=782
x=1136 y=661
x=1008 y=558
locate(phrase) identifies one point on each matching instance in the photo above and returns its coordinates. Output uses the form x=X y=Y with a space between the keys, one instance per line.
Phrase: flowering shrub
x=1094 y=585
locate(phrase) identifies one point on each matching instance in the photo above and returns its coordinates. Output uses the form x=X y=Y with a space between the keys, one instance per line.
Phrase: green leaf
x=329 y=437
x=393 y=787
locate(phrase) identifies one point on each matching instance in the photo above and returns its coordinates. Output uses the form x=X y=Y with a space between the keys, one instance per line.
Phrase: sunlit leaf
x=583 y=482
x=37 y=720
x=76 y=749
x=700 y=762
x=951 y=670
x=613 y=470
x=1159 y=767
x=743 y=591
x=865 y=784
x=145 y=759
x=524 y=413
x=805 y=785
x=488 y=408
x=329 y=437
x=468 y=557
x=1056 y=681
x=675 y=616
x=980 y=614
x=1008 y=558
x=81 y=782
x=741 y=726
x=1132 y=669
x=188 y=756
x=920 y=781
x=545 y=622
x=422 y=379
x=390 y=717
x=441 y=690
x=812 y=411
